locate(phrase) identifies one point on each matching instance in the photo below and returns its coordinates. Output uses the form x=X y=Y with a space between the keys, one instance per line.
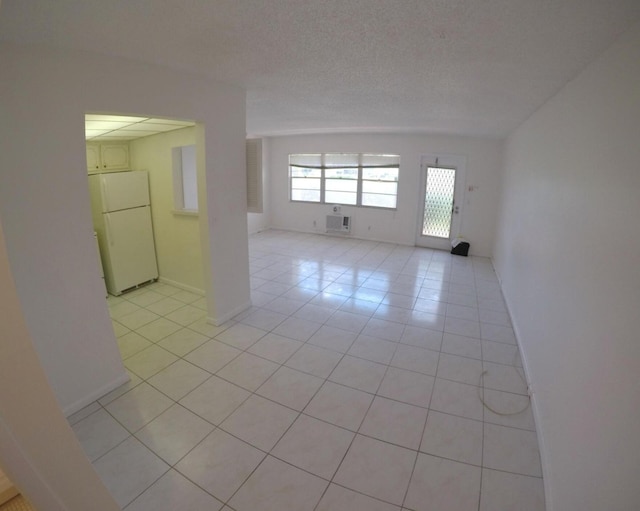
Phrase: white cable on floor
x=488 y=407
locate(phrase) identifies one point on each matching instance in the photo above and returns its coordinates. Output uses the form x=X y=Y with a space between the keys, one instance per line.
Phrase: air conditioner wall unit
x=338 y=223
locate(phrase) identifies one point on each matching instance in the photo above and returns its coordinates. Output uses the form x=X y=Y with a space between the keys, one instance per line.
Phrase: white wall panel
x=568 y=254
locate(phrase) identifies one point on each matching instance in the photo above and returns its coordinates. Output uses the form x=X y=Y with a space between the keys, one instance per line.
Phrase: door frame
x=458 y=162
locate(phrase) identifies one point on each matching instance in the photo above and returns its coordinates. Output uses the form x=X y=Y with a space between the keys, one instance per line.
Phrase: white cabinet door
x=107 y=157
x=93 y=158
x=114 y=156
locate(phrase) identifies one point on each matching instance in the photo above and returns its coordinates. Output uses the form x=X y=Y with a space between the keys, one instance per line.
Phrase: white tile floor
x=352 y=384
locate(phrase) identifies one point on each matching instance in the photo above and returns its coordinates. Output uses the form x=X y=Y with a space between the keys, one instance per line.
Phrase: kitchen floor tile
x=128 y=470
x=174 y=433
x=182 y=341
x=416 y=359
x=443 y=484
x=220 y=464
x=276 y=486
x=137 y=319
x=337 y=498
x=158 y=329
x=422 y=337
x=248 y=371
x=275 y=348
x=452 y=437
x=407 y=386
x=332 y=339
x=186 y=315
x=202 y=326
x=297 y=328
x=462 y=346
x=131 y=343
x=139 y=406
x=511 y=492
x=314 y=360
x=457 y=399
x=165 y=305
x=178 y=379
x=98 y=433
x=212 y=355
x=150 y=361
x=383 y=329
x=394 y=422
x=264 y=319
x=511 y=450
x=290 y=388
x=462 y=327
x=497 y=333
x=186 y=296
x=377 y=469
x=241 y=336
x=215 y=399
x=373 y=349
x=314 y=446
x=259 y=422
x=460 y=369
x=339 y=405
x=172 y=491
x=501 y=353
x=359 y=374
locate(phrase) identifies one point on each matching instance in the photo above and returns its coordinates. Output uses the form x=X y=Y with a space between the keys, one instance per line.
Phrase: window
x=185 y=179
x=342 y=178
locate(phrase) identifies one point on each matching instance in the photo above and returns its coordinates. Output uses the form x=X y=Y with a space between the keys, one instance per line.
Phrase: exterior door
x=441 y=201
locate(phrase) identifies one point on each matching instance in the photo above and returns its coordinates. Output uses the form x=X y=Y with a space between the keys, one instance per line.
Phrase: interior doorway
x=442 y=181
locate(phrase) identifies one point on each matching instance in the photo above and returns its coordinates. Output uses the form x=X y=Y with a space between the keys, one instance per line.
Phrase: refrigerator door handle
x=109 y=234
x=105 y=195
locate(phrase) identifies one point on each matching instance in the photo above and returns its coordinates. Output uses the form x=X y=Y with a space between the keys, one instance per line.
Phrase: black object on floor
x=461 y=249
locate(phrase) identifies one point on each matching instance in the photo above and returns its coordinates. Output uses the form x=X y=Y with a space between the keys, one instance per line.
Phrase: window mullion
x=359 y=187
x=322 y=179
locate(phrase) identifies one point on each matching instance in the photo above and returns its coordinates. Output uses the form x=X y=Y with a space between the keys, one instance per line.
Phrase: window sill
x=185 y=212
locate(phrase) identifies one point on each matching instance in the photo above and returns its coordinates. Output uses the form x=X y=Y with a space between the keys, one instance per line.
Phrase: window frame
x=180 y=186
x=360 y=180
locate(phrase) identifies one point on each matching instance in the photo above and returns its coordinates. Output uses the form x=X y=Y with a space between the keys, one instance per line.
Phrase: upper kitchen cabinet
x=107 y=157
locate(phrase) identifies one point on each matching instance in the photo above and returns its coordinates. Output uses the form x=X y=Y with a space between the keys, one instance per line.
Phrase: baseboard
x=195 y=290
x=94 y=396
x=546 y=472
x=223 y=318
x=342 y=236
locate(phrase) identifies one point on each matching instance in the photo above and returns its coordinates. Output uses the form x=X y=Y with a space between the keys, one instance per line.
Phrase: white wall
x=568 y=254
x=44 y=201
x=177 y=236
x=257 y=222
x=38 y=449
x=483 y=158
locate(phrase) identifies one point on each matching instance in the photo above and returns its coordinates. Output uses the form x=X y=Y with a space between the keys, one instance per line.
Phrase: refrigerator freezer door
x=130 y=247
x=124 y=190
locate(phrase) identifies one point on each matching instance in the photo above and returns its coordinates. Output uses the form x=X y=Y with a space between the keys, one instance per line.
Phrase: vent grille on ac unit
x=338 y=223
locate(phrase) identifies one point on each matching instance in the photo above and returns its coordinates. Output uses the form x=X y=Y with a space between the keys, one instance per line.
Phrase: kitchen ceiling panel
x=114 y=127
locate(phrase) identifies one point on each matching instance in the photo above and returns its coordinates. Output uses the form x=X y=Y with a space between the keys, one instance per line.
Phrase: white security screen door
x=441 y=198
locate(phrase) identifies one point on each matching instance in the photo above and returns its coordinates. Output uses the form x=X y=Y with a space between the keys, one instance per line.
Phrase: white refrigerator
x=121 y=213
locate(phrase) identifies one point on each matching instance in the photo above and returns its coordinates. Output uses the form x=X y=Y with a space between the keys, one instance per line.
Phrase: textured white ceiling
x=472 y=67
